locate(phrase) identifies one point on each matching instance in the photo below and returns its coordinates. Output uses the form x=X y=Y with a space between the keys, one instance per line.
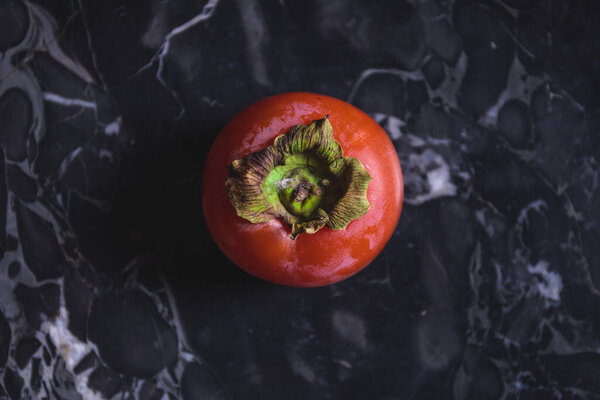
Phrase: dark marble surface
x=110 y=286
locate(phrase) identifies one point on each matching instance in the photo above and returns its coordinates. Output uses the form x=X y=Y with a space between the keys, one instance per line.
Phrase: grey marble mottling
x=111 y=287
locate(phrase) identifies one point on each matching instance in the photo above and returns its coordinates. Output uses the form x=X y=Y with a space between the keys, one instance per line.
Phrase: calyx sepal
x=303 y=179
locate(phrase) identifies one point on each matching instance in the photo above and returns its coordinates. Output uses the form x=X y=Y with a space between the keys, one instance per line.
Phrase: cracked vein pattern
x=111 y=288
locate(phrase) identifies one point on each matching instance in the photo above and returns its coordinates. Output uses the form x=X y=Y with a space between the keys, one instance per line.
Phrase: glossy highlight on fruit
x=293 y=210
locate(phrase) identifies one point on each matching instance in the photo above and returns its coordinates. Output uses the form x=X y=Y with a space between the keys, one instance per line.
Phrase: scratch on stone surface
x=537 y=205
x=436 y=171
x=301 y=368
x=65 y=101
x=256 y=35
x=159 y=57
x=480 y=216
x=89 y=43
x=517 y=43
x=447 y=91
x=394 y=127
x=551 y=284
x=113 y=128
x=417 y=75
x=516 y=88
x=184 y=347
x=68 y=160
x=71 y=350
x=350 y=327
x=45 y=46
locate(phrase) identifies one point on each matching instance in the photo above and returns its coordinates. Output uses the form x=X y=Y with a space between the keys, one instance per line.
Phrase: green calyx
x=303 y=179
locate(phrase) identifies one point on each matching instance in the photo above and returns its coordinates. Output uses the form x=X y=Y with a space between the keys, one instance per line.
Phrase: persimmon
x=302 y=189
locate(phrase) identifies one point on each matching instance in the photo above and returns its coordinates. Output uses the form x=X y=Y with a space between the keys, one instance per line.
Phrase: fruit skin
x=327 y=256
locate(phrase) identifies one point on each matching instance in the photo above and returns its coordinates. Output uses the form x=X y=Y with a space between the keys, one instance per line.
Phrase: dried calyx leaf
x=303 y=178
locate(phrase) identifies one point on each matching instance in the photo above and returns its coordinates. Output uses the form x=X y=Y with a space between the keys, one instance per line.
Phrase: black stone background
x=111 y=287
